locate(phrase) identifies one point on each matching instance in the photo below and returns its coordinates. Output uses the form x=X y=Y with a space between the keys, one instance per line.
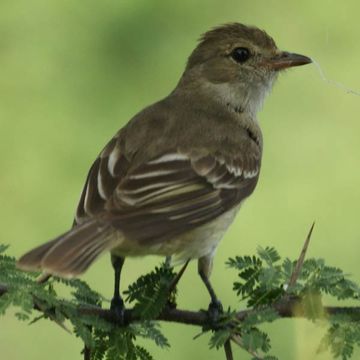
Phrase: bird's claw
x=118 y=308
x=214 y=312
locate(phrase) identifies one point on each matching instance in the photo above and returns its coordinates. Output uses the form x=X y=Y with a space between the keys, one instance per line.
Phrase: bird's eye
x=240 y=54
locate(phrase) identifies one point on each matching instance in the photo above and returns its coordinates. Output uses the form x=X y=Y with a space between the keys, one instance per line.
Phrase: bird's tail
x=70 y=254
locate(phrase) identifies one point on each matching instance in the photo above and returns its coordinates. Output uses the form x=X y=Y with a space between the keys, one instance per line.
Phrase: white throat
x=249 y=98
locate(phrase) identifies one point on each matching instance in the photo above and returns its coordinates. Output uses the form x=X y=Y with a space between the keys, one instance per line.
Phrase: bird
x=171 y=181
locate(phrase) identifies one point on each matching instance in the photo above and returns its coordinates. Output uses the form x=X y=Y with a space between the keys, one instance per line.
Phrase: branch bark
x=285 y=309
x=288 y=308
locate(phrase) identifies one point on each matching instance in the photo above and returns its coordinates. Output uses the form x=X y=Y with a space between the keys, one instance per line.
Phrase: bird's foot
x=171 y=304
x=214 y=312
x=118 y=308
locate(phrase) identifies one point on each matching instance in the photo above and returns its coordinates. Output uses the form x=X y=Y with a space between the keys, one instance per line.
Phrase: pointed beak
x=285 y=60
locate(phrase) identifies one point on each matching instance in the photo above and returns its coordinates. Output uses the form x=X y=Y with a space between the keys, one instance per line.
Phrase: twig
x=50 y=314
x=87 y=353
x=86 y=350
x=228 y=350
x=238 y=340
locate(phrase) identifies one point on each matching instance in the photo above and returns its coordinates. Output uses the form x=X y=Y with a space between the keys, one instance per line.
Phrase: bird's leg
x=215 y=307
x=117 y=303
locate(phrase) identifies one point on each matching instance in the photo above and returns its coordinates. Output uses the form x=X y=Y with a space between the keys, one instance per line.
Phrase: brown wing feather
x=168 y=194
x=157 y=204
x=103 y=177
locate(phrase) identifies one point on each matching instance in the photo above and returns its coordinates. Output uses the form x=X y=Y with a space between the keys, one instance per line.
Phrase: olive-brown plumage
x=171 y=181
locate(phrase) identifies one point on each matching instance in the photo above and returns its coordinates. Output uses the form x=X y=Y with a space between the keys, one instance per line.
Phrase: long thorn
x=178 y=277
x=238 y=340
x=297 y=270
x=51 y=316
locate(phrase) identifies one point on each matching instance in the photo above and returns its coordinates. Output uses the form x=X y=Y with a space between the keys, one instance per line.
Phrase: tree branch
x=285 y=309
x=199 y=318
x=86 y=353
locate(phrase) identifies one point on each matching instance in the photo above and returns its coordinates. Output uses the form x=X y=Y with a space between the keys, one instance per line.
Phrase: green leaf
x=269 y=255
x=242 y=262
x=5 y=302
x=3 y=248
x=260 y=316
x=288 y=267
x=255 y=340
x=150 y=330
x=82 y=291
x=219 y=338
x=340 y=339
x=143 y=354
x=22 y=316
x=270 y=277
x=151 y=292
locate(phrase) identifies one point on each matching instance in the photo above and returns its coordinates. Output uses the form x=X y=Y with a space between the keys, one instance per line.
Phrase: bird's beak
x=285 y=60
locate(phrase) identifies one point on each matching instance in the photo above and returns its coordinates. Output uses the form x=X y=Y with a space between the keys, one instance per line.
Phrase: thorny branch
x=285 y=309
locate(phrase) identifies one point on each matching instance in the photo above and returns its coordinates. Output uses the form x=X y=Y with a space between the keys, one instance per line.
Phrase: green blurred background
x=72 y=73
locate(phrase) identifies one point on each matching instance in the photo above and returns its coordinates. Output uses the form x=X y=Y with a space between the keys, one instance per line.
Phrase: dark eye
x=240 y=54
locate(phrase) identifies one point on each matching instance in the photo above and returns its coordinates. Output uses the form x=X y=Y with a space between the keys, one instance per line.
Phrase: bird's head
x=238 y=64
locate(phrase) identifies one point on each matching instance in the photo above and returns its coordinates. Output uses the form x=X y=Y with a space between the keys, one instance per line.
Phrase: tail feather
x=72 y=253
x=31 y=260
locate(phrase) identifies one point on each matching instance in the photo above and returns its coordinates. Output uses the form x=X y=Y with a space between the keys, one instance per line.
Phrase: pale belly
x=194 y=244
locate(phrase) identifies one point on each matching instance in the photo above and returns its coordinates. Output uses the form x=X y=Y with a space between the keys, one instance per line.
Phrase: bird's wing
x=168 y=194
x=107 y=171
x=179 y=191
x=154 y=197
